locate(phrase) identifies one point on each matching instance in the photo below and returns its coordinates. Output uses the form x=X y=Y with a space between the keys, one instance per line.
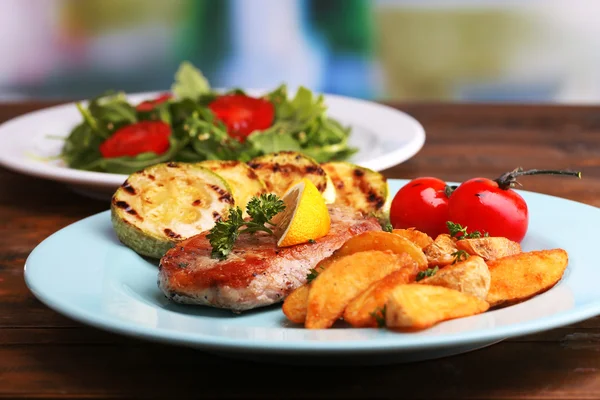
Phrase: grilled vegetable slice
x=282 y=170
x=242 y=180
x=361 y=188
x=166 y=203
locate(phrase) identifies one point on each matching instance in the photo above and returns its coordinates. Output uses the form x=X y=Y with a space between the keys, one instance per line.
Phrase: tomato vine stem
x=509 y=179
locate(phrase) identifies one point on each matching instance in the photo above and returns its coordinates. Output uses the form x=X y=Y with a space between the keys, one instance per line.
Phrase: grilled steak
x=256 y=273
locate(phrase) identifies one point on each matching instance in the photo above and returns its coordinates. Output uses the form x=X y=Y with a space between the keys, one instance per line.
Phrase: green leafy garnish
x=300 y=124
x=387 y=227
x=427 y=273
x=312 y=241
x=189 y=82
x=312 y=274
x=458 y=232
x=261 y=210
x=379 y=315
x=460 y=255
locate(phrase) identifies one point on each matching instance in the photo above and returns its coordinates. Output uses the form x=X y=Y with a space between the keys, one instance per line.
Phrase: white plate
x=84 y=272
x=384 y=135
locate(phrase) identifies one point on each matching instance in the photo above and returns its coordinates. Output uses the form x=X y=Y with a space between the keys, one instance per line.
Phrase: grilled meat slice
x=256 y=273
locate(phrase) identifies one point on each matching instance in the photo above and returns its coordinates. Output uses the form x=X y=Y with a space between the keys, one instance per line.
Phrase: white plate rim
x=67 y=175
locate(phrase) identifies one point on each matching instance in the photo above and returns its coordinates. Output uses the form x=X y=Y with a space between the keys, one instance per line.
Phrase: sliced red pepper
x=134 y=139
x=243 y=114
x=148 y=105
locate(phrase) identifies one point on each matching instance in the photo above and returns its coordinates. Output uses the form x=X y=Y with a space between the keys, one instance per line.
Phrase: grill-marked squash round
x=280 y=171
x=360 y=188
x=243 y=180
x=166 y=203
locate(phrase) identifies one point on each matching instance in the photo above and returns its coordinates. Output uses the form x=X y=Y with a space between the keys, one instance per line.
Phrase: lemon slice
x=305 y=217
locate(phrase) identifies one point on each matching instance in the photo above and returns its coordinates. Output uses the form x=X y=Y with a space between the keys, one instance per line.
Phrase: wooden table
x=45 y=355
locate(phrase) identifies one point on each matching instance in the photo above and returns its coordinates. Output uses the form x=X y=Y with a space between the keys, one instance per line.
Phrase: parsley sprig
x=459 y=255
x=427 y=273
x=261 y=210
x=458 y=232
x=379 y=315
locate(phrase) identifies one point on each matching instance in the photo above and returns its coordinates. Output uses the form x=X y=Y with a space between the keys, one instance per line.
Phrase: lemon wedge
x=305 y=217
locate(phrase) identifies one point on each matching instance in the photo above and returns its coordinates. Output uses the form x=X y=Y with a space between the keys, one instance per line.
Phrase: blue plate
x=85 y=273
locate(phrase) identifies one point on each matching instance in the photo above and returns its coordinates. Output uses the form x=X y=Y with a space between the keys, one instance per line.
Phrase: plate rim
x=79 y=177
x=576 y=314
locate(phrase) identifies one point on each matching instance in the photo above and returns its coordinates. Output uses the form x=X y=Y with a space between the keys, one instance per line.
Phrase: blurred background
x=448 y=50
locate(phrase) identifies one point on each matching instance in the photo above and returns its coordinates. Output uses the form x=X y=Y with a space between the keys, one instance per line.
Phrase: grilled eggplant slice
x=242 y=180
x=282 y=170
x=360 y=188
x=166 y=203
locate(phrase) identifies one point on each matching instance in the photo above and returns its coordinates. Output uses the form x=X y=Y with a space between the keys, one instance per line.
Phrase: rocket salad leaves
x=299 y=123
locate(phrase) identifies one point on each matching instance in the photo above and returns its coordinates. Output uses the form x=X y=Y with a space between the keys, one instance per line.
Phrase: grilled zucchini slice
x=361 y=188
x=166 y=203
x=282 y=170
x=242 y=180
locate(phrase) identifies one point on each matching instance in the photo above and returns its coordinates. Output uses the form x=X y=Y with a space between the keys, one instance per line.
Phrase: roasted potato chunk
x=380 y=240
x=294 y=305
x=439 y=253
x=359 y=312
x=419 y=238
x=422 y=306
x=345 y=278
x=489 y=248
x=471 y=276
x=521 y=276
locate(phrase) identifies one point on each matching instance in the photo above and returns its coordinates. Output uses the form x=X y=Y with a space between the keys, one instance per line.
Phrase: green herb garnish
x=261 y=210
x=301 y=124
x=312 y=241
x=460 y=255
x=458 y=232
x=427 y=273
x=379 y=315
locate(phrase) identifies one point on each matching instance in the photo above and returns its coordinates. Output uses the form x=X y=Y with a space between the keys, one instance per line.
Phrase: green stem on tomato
x=449 y=189
x=509 y=179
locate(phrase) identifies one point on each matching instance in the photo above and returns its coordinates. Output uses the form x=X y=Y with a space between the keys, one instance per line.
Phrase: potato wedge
x=521 y=276
x=422 y=306
x=380 y=240
x=471 y=276
x=489 y=248
x=439 y=253
x=419 y=238
x=345 y=278
x=359 y=312
x=295 y=304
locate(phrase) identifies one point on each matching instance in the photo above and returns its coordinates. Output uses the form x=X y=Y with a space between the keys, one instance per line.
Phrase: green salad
x=194 y=122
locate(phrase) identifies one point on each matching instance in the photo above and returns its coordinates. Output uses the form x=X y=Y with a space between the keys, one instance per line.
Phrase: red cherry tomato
x=421 y=204
x=479 y=204
x=243 y=114
x=148 y=105
x=141 y=137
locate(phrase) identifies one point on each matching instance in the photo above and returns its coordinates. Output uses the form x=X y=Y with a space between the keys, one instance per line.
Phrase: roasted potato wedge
x=419 y=238
x=521 y=276
x=294 y=305
x=345 y=278
x=439 y=253
x=422 y=306
x=471 y=276
x=380 y=240
x=359 y=312
x=489 y=248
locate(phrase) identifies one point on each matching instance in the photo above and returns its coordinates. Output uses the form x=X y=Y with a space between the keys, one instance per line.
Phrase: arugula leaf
x=189 y=82
x=272 y=140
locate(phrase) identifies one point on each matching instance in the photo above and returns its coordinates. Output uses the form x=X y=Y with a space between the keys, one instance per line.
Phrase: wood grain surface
x=45 y=355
